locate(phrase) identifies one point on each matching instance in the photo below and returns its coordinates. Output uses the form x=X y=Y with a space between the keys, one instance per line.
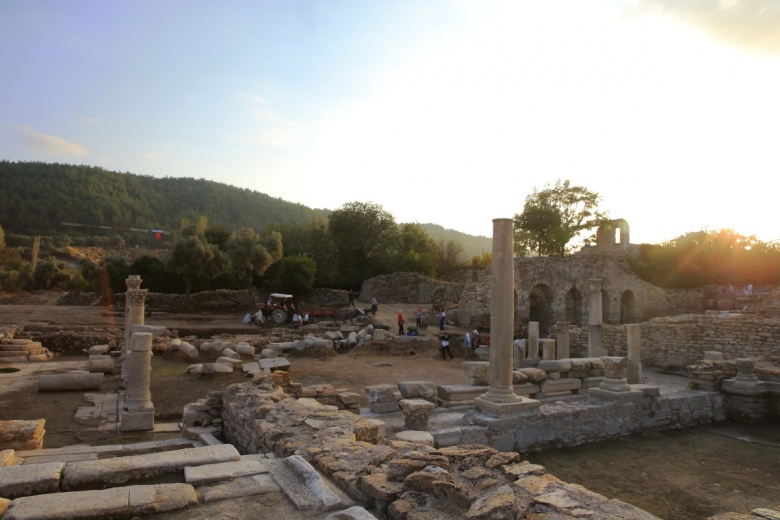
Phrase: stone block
x=382 y=393
x=273 y=364
x=415 y=437
x=558 y=365
x=418 y=390
x=22 y=435
x=136 y=421
x=210 y=473
x=552 y=386
x=33 y=479
x=387 y=407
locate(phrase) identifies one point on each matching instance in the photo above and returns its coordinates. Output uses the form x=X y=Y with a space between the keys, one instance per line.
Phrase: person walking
x=401 y=323
x=467 y=346
x=445 y=346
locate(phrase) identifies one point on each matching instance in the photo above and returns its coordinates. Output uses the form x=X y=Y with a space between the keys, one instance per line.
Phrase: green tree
x=291 y=274
x=449 y=260
x=554 y=216
x=312 y=239
x=192 y=257
x=250 y=255
x=217 y=235
x=416 y=250
x=51 y=273
x=366 y=237
x=155 y=275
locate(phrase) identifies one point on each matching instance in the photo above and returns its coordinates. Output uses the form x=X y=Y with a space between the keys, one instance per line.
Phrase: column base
x=136 y=421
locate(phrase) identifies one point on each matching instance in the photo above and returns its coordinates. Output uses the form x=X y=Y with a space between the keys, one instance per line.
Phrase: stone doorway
x=574 y=307
x=627 y=307
x=540 y=300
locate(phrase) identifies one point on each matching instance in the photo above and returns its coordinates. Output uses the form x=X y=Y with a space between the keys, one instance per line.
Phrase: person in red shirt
x=401 y=323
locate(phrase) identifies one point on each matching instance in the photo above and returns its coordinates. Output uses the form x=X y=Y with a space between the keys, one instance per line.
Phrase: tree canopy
x=554 y=216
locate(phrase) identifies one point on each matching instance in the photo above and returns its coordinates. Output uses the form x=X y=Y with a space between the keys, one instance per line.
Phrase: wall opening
x=627 y=307
x=574 y=307
x=540 y=300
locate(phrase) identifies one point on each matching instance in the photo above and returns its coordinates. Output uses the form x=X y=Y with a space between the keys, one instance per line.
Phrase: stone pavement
x=99 y=481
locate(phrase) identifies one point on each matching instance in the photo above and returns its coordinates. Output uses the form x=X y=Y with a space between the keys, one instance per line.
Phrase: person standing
x=418 y=318
x=467 y=345
x=442 y=316
x=351 y=295
x=401 y=323
x=374 y=305
x=475 y=339
x=445 y=345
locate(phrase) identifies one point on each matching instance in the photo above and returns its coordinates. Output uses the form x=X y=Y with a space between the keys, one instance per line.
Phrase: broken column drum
x=135 y=316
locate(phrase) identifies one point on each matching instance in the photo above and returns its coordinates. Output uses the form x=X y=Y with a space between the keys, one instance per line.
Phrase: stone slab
x=20 y=480
x=99 y=473
x=498 y=409
x=115 y=502
x=560 y=385
x=210 y=473
x=240 y=487
x=278 y=363
x=629 y=395
x=303 y=485
x=59 y=458
x=460 y=392
x=649 y=390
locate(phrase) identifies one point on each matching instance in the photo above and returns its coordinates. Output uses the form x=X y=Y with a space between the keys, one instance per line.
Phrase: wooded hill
x=38 y=197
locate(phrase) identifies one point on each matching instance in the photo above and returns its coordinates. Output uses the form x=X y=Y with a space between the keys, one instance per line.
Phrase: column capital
x=136 y=297
x=595 y=284
x=133 y=281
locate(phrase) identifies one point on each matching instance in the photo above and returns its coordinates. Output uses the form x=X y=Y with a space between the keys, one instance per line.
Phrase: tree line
x=360 y=240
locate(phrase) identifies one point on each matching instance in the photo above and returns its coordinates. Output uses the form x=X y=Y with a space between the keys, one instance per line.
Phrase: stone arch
x=604 y=306
x=574 y=307
x=627 y=307
x=540 y=310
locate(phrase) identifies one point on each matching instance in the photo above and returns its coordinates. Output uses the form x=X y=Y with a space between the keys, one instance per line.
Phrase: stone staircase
x=113 y=481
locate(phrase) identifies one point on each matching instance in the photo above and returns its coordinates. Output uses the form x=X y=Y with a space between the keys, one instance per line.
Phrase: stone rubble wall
x=399 y=479
x=73 y=340
x=409 y=288
x=22 y=435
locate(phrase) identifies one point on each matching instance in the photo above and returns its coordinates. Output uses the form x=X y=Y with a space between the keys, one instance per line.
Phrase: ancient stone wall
x=676 y=341
x=409 y=288
x=74 y=340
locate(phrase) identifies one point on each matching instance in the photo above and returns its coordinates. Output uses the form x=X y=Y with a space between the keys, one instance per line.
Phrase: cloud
x=51 y=144
x=88 y=120
x=152 y=156
x=277 y=138
x=750 y=24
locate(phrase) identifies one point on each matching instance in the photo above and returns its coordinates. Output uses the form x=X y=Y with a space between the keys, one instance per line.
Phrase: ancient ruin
x=543 y=377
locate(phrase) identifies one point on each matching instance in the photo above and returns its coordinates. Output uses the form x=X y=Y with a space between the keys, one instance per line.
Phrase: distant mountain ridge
x=38 y=197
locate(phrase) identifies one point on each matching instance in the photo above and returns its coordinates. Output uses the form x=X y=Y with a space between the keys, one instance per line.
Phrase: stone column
x=533 y=344
x=562 y=340
x=519 y=356
x=595 y=346
x=634 y=374
x=133 y=283
x=500 y=398
x=137 y=412
x=548 y=349
x=135 y=316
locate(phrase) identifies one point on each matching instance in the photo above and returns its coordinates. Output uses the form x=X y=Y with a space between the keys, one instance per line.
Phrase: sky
x=443 y=111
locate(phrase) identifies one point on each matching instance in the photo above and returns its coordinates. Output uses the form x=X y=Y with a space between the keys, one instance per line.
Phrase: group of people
x=256 y=319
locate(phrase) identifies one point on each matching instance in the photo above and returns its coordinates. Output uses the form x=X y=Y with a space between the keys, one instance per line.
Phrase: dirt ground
x=172 y=387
